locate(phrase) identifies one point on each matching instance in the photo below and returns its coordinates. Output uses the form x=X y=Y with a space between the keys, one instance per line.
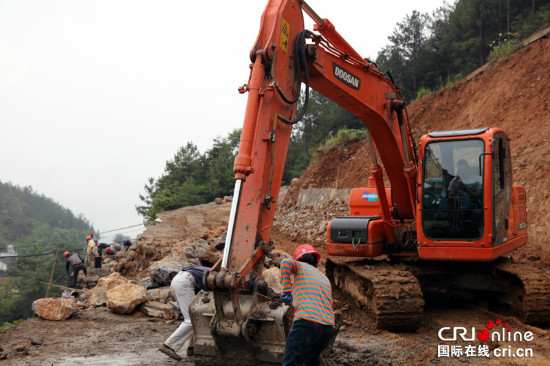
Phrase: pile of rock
x=150 y=295
x=309 y=221
x=219 y=200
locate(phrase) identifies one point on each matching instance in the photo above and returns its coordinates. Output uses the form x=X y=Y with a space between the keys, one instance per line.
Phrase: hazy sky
x=95 y=96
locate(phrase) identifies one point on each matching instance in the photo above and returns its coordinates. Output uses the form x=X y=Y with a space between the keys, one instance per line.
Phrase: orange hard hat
x=305 y=249
x=65 y=254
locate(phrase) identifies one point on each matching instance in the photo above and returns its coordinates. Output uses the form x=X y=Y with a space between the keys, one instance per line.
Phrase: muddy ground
x=99 y=337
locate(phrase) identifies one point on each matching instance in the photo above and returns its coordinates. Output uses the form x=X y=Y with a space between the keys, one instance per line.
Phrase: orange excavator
x=450 y=212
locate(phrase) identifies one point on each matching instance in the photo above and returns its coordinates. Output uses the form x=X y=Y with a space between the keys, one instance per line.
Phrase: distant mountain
x=38 y=228
x=23 y=212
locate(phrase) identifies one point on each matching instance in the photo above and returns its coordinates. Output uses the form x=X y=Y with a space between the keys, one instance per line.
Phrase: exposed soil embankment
x=513 y=95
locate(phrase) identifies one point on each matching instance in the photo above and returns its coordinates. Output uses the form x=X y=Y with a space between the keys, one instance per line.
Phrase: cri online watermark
x=497 y=331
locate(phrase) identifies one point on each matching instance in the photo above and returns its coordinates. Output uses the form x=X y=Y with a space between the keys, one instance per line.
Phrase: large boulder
x=278 y=255
x=207 y=254
x=161 y=294
x=164 y=270
x=220 y=243
x=148 y=282
x=98 y=295
x=272 y=277
x=191 y=255
x=157 y=309
x=53 y=308
x=124 y=298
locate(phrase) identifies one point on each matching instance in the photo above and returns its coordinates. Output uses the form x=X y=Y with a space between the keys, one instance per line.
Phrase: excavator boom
x=283 y=56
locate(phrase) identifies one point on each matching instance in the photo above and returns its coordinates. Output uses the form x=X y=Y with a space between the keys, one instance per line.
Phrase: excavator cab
x=452 y=187
x=468 y=208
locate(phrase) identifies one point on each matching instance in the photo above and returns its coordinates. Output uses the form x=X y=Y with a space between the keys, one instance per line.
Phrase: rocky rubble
x=309 y=222
x=160 y=294
x=139 y=280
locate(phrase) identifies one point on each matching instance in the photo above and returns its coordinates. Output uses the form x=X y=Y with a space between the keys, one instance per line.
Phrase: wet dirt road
x=99 y=337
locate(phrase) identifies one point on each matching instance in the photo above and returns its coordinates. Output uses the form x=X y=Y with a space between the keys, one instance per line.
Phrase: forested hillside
x=426 y=53
x=191 y=178
x=36 y=226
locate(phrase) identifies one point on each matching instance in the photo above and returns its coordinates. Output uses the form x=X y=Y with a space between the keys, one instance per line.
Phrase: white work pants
x=183 y=289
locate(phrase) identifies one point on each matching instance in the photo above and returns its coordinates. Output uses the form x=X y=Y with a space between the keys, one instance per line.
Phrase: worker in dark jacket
x=74 y=260
x=99 y=255
x=127 y=244
x=184 y=287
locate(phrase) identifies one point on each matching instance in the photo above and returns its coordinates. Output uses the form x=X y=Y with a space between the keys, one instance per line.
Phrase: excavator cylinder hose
x=301 y=66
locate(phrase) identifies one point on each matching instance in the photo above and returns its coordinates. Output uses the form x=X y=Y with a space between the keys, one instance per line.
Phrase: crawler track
x=528 y=291
x=392 y=296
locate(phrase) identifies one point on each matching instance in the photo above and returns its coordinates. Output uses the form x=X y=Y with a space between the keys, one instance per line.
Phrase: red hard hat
x=108 y=250
x=305 y=249
x=65 y=254
x=88 y=237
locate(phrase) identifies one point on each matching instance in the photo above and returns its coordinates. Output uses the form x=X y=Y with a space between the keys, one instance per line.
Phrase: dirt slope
x=513 y=95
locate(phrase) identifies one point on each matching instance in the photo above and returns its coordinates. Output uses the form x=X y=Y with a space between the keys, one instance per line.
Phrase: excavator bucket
x=259 y=340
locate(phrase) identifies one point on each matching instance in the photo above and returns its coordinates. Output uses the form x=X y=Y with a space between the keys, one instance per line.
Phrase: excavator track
x=392 y=296
x=528 y=291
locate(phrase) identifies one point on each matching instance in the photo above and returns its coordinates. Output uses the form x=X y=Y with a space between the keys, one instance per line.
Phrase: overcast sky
x=95 y=96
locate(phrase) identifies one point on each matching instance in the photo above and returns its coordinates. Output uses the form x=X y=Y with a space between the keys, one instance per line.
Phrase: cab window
x=452 y=190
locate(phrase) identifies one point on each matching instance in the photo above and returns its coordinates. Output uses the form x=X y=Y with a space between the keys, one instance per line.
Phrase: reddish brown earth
x=514 y=94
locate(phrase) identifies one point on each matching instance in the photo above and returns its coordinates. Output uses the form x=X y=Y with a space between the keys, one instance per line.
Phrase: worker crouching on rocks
x=311 y=295
x=110 y=251
x=184 y=287
x=127 y=244
x=74 y=260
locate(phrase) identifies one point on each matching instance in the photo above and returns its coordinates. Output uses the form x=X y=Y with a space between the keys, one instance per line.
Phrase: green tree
x=192 y=178
x=219 y=165
x=402 y=56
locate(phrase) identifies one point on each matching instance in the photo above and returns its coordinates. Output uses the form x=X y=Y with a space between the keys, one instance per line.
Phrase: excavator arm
x=244 y=314
x=281 y=59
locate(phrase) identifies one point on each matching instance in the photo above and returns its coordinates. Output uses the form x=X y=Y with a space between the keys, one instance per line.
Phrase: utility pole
x=53 y=269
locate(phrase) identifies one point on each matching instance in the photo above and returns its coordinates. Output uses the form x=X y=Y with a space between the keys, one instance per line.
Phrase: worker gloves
x=286 y=297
